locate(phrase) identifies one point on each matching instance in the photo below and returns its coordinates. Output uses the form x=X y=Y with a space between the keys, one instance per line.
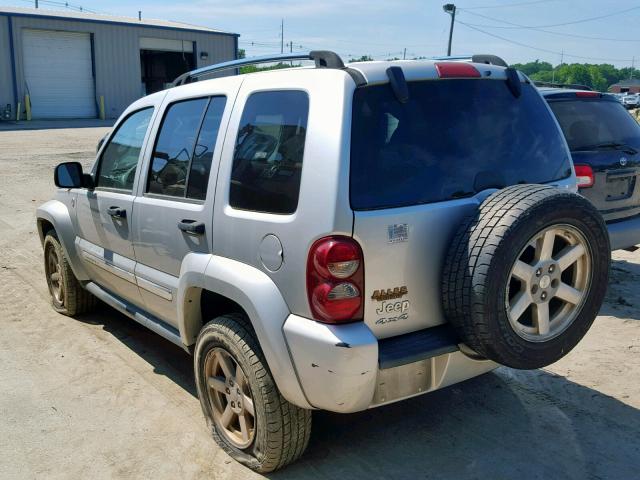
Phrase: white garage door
x=58 y=73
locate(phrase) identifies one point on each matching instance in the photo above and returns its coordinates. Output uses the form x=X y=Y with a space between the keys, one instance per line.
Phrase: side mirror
x=70 y=175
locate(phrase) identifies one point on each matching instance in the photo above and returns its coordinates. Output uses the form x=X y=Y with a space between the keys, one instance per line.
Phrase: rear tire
x=233 y=379
x=67 y=294
x=526 y=275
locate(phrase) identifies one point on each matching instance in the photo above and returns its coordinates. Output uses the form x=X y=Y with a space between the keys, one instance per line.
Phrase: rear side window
x=452 y=139
x=119 y=161
x=589 y=123
x=267 y=161
x=181 y=160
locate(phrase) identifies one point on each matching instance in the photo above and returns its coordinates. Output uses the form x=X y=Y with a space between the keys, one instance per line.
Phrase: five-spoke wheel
x=53 y=271
x=548 y=283
x=230 y=398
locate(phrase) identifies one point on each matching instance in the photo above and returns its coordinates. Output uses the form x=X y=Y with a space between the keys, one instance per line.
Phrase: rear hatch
x=602 y=135
x=417 y=168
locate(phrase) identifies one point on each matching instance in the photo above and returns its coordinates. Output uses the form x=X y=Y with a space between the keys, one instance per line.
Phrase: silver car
x=631 y=100
x=333 y=237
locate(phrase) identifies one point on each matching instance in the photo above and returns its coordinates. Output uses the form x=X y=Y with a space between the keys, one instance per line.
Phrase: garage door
x=58 y=74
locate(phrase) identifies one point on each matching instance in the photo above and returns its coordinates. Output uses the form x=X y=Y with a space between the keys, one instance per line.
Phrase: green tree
x=533 y=67
x=363 y=58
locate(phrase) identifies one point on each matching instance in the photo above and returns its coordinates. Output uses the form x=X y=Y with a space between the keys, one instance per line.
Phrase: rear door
x=419 y=167
x=602 y=134
x=105 y=214
x=174 y=207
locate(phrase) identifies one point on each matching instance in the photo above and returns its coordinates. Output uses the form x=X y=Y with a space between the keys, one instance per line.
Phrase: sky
x=581 y=31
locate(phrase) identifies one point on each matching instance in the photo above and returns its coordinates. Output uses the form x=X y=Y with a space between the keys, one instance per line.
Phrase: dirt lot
x=101 y=397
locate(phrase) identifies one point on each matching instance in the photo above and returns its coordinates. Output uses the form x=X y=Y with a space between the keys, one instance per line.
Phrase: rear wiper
x=612 y=145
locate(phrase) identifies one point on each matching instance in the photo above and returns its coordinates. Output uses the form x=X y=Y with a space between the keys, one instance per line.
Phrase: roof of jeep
x=376 y=72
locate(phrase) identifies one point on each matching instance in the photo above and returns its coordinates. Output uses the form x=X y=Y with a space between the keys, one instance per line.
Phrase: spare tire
x=526 y=275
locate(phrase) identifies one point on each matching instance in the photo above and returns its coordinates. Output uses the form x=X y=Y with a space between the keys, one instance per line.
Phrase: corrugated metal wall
x=117 y=55
x=6 y=83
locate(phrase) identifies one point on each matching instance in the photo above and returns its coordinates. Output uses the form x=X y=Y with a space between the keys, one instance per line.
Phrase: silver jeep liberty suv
x=333 y=237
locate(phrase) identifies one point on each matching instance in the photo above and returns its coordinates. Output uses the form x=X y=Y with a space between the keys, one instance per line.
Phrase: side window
x=267 y=162
x=119 y=161
x=203 y=153
x=181 y=159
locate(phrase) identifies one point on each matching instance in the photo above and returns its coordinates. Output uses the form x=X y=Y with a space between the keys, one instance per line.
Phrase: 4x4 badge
x=389 y=294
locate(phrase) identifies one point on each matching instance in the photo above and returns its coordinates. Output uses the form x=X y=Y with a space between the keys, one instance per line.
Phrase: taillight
x=584 y=176
x=456 y=70
x=587 y=94
x=335 y=280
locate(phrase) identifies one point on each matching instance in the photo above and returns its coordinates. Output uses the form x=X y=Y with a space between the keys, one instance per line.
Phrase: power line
x=507 y=5
x=508 y=40
x=516 y=25
x=574 y=35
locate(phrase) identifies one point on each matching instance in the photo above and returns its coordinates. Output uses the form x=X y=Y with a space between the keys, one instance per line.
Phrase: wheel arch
x=213 y=285
x=54 y=215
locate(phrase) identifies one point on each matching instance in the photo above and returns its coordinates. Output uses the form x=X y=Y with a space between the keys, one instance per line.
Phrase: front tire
x=246 y=413
x=67 y=294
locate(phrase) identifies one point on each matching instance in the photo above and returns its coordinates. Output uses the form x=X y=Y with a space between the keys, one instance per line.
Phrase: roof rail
x=323 y=59
x=478 y=58
x=575 y=86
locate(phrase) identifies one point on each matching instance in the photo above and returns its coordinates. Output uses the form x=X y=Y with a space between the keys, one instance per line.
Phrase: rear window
x=587 y=123
x=452 y=139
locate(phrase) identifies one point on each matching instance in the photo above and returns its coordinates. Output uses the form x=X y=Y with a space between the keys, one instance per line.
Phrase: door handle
x=191 y=227
x=117 y=212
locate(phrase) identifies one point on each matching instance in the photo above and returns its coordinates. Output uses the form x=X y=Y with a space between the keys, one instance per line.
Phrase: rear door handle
x=191 y=227
x=117 y=212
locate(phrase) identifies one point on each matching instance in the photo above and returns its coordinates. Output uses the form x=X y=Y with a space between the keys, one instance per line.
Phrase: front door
x=105 y=214
x=174 y=208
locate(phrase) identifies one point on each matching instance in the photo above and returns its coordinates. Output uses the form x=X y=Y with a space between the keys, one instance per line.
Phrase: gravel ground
x=101 y=397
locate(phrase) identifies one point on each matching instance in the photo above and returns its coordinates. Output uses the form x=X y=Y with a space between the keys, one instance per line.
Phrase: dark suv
x=605 y=143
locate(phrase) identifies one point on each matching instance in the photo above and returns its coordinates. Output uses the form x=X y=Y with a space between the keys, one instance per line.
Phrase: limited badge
x=398 y=233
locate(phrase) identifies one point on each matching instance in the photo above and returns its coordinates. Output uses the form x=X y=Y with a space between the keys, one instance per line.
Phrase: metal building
x=79 y=65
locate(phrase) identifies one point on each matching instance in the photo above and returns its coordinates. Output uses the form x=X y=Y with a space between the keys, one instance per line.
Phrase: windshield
x=452 y=139
x=588 y=123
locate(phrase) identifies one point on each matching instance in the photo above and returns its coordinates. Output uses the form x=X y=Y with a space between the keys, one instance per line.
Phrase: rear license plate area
x=619 y=188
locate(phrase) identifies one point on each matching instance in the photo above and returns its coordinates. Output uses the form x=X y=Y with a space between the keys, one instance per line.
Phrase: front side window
x=181 y=160
x=267 y=162
x=118 y=164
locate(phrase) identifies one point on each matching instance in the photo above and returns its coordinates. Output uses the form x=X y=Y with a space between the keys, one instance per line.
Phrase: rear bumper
x=624 y=233
x=344 y=368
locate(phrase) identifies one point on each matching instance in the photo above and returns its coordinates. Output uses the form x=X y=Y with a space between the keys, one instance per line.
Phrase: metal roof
x=100 y=18
x=631 y=82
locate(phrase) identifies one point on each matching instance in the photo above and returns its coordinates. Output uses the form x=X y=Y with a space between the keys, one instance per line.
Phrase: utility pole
x=140 y=15
x=282 y=36
x=633 y=65
x=36 y=3
x=404 y=54
x=450 y=8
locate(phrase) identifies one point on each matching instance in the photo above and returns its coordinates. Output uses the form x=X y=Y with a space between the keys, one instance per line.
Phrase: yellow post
x=18 y=111
x=27 y=105
x=102 y=116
